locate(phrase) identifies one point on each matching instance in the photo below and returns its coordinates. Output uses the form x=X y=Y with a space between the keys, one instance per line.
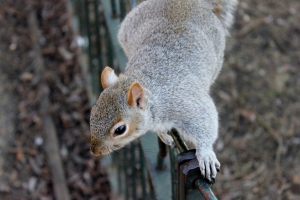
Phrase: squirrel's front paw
x=208 y=163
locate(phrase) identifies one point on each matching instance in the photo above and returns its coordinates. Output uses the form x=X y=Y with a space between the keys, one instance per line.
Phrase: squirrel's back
x=151 y=13
x=183 y=37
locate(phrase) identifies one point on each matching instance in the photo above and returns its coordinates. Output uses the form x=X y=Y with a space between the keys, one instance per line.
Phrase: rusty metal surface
x=190 y=178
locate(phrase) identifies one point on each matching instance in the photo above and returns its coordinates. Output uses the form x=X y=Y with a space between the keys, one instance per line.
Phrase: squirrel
x=175 y=51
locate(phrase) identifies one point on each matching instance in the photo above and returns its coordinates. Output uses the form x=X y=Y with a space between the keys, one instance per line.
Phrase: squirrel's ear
x=108 y=77
x=136 y=96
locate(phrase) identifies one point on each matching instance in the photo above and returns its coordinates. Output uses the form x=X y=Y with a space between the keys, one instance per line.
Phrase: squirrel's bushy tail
x=225 y=10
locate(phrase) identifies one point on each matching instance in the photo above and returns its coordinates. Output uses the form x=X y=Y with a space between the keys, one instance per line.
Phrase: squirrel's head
x=119 y=115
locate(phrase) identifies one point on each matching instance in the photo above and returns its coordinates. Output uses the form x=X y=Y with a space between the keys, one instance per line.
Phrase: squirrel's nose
x=95 y=150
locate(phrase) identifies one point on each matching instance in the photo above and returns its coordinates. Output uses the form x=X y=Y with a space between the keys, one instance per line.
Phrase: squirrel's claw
x=209 y=165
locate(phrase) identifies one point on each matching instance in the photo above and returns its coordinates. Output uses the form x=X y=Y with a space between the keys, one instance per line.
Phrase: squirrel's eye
x=120 y=130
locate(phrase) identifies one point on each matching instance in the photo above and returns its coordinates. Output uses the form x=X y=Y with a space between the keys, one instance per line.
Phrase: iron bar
x=89 y=34
x=143 y=178
x=133 y=174
x=179 y=143
x=162 y=153
x=126 y=169
x=109 y=50
x=122 y=9
x=173 y=169
x=80 y=4
x=113 y=8
x=152 y=193
x=205 y=190
x=98 y=68
x=120 y=162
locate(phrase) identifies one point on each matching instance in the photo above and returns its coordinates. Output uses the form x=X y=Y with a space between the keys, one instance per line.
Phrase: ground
x=25 y=168
x=257 y=95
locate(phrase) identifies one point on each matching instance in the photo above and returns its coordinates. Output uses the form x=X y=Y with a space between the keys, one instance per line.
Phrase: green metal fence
x=147 y=168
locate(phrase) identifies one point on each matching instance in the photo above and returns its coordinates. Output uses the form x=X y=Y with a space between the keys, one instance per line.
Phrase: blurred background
x=44 y=105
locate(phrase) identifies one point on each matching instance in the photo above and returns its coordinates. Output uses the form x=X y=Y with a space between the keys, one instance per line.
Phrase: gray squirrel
x=175 y=51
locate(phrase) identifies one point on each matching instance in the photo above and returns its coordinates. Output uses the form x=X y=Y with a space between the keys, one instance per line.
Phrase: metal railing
x=146 y=168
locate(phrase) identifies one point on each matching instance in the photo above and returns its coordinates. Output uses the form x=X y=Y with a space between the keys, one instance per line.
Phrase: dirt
x=257 y=95
x=24 y=169
x=7 y=126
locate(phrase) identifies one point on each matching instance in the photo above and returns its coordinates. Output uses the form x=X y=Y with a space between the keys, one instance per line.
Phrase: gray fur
x=175 y=50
